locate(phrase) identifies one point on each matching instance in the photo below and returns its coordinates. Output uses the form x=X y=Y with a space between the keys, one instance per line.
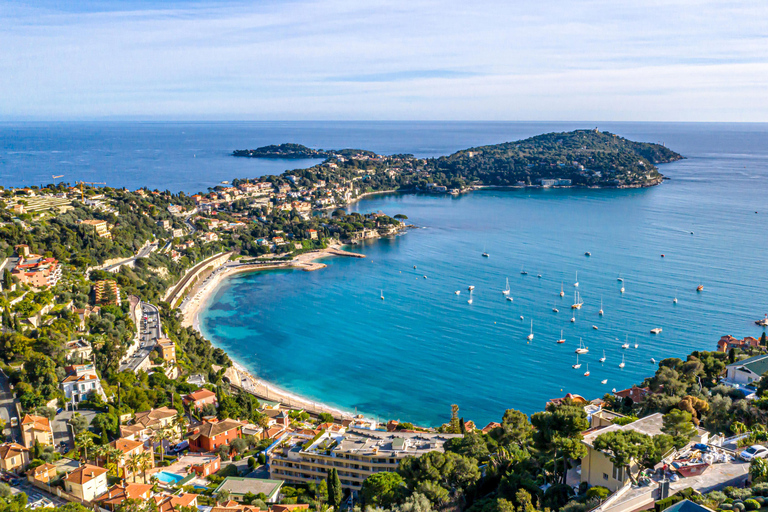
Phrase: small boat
x=225 y=183
x=523 y=272
x=382 y=294
x=656 y=330
x=530 y=336
x=622 y=364
x=573 y=319
x=700 y=288
x=604 y=381
x=457 y=292
x=522 y=317
x=561 y=340
x=626 y=343
x=577 y=302
x=505 y=291
x=602 y=359
x=576 y=284
x=586 y=373
x=582 y=348
x=620 y=279
x=509 y=298
x=470 y=296
x=425 y=277
x=555 y=310
x=653 y=361
x=577 y=365
x=470 y=288
x=539 y=276
x=763 y=322
x=594 y=327
x=414 y=266
x=662 y=255
x=601 y=308
x=486 y=255
x=674 y=301
x=587 y=253
x=562 y=293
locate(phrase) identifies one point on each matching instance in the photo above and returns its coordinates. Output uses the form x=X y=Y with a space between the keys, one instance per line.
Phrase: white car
x=754 y=452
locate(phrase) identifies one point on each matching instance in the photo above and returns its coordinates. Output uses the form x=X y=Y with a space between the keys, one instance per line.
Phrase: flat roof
x=242 y=485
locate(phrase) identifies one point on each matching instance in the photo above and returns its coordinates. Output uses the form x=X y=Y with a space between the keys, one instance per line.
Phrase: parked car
x=755 y=451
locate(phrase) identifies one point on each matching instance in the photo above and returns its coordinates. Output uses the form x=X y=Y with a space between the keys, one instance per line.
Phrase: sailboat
x=457 y=292
x=622 y=364
x=601 y=307
x=577 y=303
x=586 y=373
x=522 y=271
x=620 y=279
x=561 y=340
x=582 y=348
x=577 y=280
x=505 y=291
x=602 y=359
x=577 y=365
x=604 y=381
x=470 y=297
x=530 y=336
x=554 y=309
x=622 y=286
x=626 y=343
x=382 y=294
x=636 y=345
x=562 y=293
x=486 y=255
x=700 y=288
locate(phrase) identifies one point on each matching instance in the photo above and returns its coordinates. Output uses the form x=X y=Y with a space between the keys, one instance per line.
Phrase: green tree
x=382 y=489
x=678 y=424
x=624 y=447
x=758 y=470
x=325 y=417
x=334 y=488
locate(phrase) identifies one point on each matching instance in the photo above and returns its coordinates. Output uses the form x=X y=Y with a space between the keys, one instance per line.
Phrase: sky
x=612 y=60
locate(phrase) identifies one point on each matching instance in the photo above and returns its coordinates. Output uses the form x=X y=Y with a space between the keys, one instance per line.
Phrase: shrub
x=598 y=492
x=739 y=506
x=751 y=505
x=726 y=506
x=716 y=496
x=252 y=463
x=667 y=502
x=737 y=494
x=575 y=506
x=760 y=489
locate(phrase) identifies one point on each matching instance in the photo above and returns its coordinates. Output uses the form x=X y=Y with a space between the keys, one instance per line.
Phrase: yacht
x=656 y=330
x=601 y=308
x=522 y=317
x=523 y=272
x=505 y=291
x=604 y=381
x=626 y=343
x=594 y=327
x=587 y=253
x=470 y=288
x=576 y=284
x=582 y=348
x=486 y=255
x=577 y=365
x=763 y=322
x=509 y=298
x=470 y=296
x=586 y=373
x=382 y=294
x=530 y=336
x=700 y=288
x=573 y=319
x=602 y=359
x=622 y=364
x=554 y=309
x=577 y=303
x=620 y=279
x=561 y=340
x=622 y=286
x=457 y=292
x=562 y=293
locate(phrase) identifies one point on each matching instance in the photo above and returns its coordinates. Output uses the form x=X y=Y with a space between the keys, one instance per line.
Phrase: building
x=206 y=466
x=35 y=270
x=200 y=398
x=167 y=349
x=633 y=394
x=746 y=371
x=13 y=457
x=145 y=423
x=312 y=234
x=111 y=498
x=596 y=466
x=728 y=342
x=101 y=227
x=86 y=482
x=106 y=292
x=239 y=487
x=78 y=350
x=84 y=314
x=213 y=434
x=356 y=454
x=44 y=473
x=36 y=428
x=688 y=506
x=166 y=224
x=80 y=382
x=129 y=447
x=173 y=502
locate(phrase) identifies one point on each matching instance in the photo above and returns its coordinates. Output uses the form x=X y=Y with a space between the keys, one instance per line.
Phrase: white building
x=80 y=382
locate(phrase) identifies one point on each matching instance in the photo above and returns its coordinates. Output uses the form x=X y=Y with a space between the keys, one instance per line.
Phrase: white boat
x=554 y=309
x=636 y=345
x=522 y=317
x=577 y=302
x=562 y=293
x=561 y=340
x=763 y=322
x=509 y=298
x=656 y=330
x=505 y=291
x=601 y=307
x=653 y=361
x=523 y=272
x=577 y=280
x=530 y=336
x=382 y=294
x=577 y=365
x=602 y=359
x=470 y=296
x=620 y=279
x=573 y=318
x=470 y=288
x=582 y=348
x=626 y=343
x=539 y=276
x=587 y=253
x=594 y=327
x=622 y=364
x=457 y=292
x=604 y=381
x=486 y=255
x=586 y=373
x=674 y=301
x=425 y=277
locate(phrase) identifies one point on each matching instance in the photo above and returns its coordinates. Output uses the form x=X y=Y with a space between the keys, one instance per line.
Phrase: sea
x=329 y=336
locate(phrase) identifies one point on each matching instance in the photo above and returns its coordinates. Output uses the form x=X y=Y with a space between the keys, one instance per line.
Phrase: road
x=35 y=495
x=150 y=331
x=61 y=429
x=143 y=253
x=8 y=408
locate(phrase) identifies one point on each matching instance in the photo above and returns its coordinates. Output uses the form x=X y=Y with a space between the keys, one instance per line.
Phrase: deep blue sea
x=327 y=335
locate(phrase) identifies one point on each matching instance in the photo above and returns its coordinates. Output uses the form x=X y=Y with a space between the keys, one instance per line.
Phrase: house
x=746 y=371
x=634 y=394
x=129 y=448
x=35 y=270
x=200 y=398
x=213 y=434
x=492 y=425
x=106 y=293
x=167 y=349
x=145 y=423
x=312 y=234
x=173 y=502
x=84 y=314
x=86 y=482
x=80 y=382
x=36 y=428
x=44 y=473
x=568 y=399
x=111 y=498
x=13 y=457
x=596 y=466
x=728 y=342
x=101 y=227
x=78 y=350
x=206 y=466
x=238 y=487
x=289 y=508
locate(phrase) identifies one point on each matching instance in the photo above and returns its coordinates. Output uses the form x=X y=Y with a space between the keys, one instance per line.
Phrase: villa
x=86 y=482
x=36 y=428
x=746 y=371
x=239 y=487
x=728 y=342
x=13 y=457
x=146 y=423
x=212 y=434
x=115 y=495
x=35 y=270
x=80 y=382
x=78 y=350
x=200 y=398
x=129 y=448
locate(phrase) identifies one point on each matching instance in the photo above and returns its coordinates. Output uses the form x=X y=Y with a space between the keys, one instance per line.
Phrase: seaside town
x=111 y=399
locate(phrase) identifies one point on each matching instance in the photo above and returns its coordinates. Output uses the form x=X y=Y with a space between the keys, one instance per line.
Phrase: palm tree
x=99 y=451
x=180 y=423
x=114 y=456
x=133 y=464
x=84 y=441
x=146 y=463
x=160 y=435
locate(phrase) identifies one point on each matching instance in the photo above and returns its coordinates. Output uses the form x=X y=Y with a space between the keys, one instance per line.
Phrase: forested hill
x=587 y=157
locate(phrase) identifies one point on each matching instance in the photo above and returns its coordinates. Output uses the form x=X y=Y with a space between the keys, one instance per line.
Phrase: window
x=618 y=473
x=605 y=476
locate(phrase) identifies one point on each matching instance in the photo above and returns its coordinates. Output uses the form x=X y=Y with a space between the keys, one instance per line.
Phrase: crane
x=81 y=183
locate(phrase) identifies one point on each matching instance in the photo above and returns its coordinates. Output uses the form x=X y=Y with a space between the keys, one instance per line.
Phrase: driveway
x=34 y=494
x=62 y=432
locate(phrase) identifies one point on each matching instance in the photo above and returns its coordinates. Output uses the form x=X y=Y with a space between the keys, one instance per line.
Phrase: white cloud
x=418 y=59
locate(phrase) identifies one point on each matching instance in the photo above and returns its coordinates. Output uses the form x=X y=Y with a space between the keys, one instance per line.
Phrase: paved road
x=149 y=332
x=35 y=495
x=8 y=408
x=143 y=253
x=61 y=430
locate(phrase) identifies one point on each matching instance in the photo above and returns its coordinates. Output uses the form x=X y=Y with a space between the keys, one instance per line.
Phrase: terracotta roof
x=286 y=508
x=169 y=502
x=85 y=474
x=149 y=418
x=125 y=445
x=492 y=425
x=634 y=393
x=214 y=429
x=118 y=493
x=199 y=395
x=8 y=450
x=44 y=469
x=37 y=422
x=78 y=378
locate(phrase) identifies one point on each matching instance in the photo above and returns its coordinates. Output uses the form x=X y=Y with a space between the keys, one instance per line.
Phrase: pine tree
x=334 y=488
x=104 y=437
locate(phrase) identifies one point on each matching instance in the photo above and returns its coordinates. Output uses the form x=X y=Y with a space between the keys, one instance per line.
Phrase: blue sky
x=673 y=60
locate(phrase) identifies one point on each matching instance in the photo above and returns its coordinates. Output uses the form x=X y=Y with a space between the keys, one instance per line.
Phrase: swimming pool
x=168 y=478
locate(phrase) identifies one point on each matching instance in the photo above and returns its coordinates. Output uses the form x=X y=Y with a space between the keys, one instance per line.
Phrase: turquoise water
x=168 y=478
x=327 y=335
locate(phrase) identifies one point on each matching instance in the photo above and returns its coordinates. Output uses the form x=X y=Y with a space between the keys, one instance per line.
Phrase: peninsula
x=580 y=158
